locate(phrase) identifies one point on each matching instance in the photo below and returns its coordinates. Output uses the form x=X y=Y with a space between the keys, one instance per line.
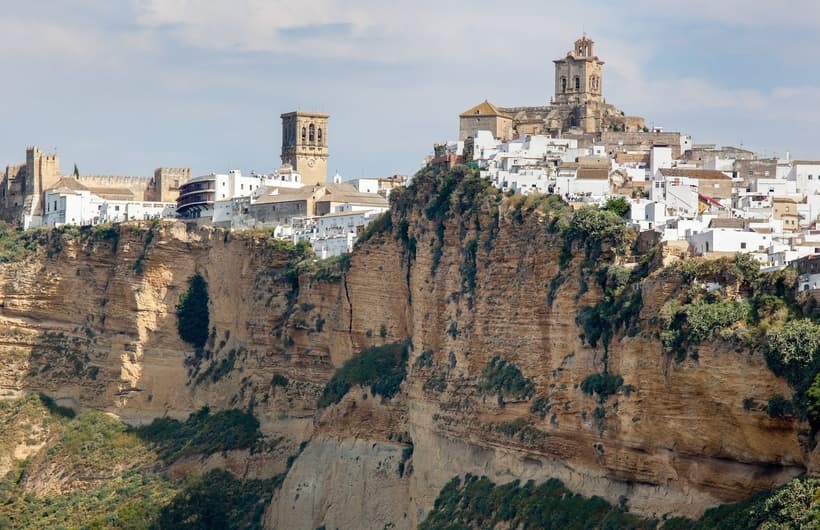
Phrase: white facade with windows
x=728 y=240
x=83 y=208
x=806 y=176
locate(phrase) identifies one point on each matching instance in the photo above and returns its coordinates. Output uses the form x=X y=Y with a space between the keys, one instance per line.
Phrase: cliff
x=489 y=292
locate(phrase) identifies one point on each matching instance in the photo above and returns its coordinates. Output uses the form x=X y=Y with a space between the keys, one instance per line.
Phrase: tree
x=192 y=312
x=76 y=171
x=618 y=205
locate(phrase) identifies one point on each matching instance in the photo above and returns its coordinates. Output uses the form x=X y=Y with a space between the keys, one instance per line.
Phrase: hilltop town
x=708 y=200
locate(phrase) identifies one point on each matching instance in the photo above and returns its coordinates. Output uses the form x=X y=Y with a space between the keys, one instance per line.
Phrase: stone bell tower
x=304 y=145
x=578 y=76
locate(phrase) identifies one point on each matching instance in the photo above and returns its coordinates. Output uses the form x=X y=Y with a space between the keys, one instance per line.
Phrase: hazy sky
x=123 y=86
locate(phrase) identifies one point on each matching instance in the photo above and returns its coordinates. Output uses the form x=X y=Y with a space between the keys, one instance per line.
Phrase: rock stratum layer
x=91 y=322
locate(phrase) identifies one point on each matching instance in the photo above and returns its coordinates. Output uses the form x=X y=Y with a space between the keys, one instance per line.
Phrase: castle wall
x=640 y=141
x=139 y=186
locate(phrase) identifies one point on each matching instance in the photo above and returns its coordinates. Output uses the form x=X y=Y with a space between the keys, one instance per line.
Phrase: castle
x=23 y=186
x=577 y=107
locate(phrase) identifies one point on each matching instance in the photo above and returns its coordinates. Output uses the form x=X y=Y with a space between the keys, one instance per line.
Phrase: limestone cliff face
x=91 y=322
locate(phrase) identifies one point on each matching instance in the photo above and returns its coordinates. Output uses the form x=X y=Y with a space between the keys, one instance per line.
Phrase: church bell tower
x=304 y=145
x=578 y=76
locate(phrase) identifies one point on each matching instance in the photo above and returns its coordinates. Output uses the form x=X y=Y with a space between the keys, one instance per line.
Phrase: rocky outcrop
x=91 y=321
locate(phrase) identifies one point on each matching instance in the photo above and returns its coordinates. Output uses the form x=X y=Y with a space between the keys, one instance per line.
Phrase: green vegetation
x=780 y=407
x=479 y=503
x=325 y=270
x=793 y=352
x=382 y=368
x=381 y=224
x=618 y=205
x=506 y=380
x=469 y=267
x=218 y=501
x=192 y=312
x=688 y=324
x=218 y=369
x=17 y=245
x=594 y=230
x=618 y=309
x=793 y=505
x=279 y=380
x=604 y=385
x=110 y=476
x=202 y=433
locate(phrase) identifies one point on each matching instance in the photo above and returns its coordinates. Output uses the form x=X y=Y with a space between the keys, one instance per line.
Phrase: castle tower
x=578 y=76
x=304 y=145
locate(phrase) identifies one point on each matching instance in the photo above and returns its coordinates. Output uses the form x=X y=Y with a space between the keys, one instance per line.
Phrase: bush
x=479 y=503
x=618 y=205
x=505 y=379
x=780 y=407
x=202 y=433
x=697 y=322
x=381 y=224
x=383 y=368
x=793 y=352
x=604 y=385
x=279 y=380
x=593 y=228
x=217 y=500
x=793 y=505
x=192 y=312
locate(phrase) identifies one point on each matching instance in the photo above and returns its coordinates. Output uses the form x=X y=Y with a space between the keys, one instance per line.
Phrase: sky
x=124 y=86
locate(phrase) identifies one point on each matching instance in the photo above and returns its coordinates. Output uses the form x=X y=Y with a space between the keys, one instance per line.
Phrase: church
x=577 y=108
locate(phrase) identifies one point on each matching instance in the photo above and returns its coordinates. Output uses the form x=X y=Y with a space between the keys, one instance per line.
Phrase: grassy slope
x=93 y=471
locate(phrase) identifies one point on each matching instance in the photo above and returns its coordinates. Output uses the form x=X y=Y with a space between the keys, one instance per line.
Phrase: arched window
x=577 y=83
x=312 y=134
x=304 y=135
x=563 y=85
x=319 y=136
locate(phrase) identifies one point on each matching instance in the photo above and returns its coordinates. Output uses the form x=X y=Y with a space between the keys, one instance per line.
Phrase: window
x=55 y=205
x=563 y=85
x=577 y=83
x=319 y=136
x=810 y=177
x=743 y=245
x=312 y=134
x=304 y=135
x=116 y=208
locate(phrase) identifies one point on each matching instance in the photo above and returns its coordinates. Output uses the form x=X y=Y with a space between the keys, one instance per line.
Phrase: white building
x=730 y=236
x=332 y=234
x=198 y=196
x=70 y=202
x=806 y=176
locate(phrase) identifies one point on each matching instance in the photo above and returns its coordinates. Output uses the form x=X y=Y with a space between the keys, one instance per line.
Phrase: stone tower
x=304 y=145
x=578 y=77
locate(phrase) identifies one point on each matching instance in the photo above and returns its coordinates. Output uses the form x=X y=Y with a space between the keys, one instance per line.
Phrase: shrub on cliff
x=505 y=379
x=479 y=503
x=192 y=312
x=604 y=385
x=383 y=368
x=592 y=229
x=202 y=433
x=793 y=351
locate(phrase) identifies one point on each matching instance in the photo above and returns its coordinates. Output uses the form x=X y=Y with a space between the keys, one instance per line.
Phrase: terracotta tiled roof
x=705 y=174
x=728 y=222
x=69 y=183
x=484 y=108
x=590 y=173
x=113 y=194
